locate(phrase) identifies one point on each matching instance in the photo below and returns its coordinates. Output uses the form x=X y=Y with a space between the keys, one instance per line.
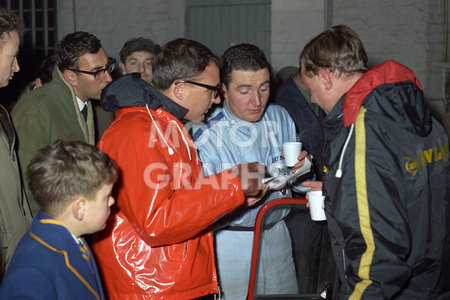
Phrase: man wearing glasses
x=158 y=245
x=61 y=109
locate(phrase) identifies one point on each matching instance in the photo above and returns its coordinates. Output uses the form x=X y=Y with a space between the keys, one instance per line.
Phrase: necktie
x=84 y=112
x=84 y=252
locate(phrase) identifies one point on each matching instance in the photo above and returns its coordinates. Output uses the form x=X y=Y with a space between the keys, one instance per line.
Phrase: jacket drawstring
x=171 y=152
x=339 y=170
x=170 y=149
x=184 y=139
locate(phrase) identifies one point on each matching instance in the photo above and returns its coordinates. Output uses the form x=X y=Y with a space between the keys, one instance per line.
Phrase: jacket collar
x=130 y=90
x=56 y=237
x=388 y=72
x=87 y=127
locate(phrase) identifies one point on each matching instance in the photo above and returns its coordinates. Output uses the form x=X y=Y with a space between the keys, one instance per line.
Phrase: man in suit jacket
x=61 y=109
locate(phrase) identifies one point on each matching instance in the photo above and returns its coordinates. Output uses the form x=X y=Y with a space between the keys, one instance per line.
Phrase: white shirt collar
x=81 y=104
x=77 y=240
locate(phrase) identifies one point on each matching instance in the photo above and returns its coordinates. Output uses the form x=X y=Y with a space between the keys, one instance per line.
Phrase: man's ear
x=70 y=77
x=326 y=78
x=78 y=208
x=179 y=90
x=122 y=68
x=223 y=90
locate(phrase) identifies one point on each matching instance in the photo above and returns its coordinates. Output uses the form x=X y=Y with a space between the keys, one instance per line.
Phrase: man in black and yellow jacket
x=386 y=172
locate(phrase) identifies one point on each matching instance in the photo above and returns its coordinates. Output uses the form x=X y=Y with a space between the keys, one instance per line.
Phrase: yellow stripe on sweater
x=363 y=206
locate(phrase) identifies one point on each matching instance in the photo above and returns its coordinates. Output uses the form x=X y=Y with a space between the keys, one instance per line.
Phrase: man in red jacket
x=158 y=244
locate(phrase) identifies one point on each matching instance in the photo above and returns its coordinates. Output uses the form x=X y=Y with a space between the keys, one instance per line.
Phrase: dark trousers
x=313 y=256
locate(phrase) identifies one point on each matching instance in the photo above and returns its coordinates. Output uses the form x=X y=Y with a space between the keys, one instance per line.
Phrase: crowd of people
x=159 y=171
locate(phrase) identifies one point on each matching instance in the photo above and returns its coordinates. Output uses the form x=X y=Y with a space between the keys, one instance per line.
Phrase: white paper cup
x=316 y=205
x=291 y=151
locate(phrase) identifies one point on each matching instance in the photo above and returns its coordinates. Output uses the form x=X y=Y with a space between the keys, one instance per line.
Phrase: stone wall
x=116 y=21
x=409 y=31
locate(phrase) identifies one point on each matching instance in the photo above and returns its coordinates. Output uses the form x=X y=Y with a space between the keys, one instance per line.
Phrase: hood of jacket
x=392 y=90
x=130 y=90
x=389 y=90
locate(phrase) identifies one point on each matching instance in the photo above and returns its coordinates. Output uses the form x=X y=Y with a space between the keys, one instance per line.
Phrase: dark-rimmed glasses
x=99 y=73
x=216 y=89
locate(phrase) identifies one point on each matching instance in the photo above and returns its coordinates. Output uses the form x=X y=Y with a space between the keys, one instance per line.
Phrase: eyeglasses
x=99 y=73
x=216 y=89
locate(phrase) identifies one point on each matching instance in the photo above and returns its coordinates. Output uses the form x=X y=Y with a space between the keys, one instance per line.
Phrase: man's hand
x=301 y=161
x=314 y=185
x=249 y=201
x=250 y=175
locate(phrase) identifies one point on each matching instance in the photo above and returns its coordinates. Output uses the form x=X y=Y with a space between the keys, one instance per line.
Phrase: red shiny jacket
x=158 y=244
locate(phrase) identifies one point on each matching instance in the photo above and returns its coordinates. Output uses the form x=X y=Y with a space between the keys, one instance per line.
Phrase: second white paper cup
x=291 y=151
x=316 y=205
